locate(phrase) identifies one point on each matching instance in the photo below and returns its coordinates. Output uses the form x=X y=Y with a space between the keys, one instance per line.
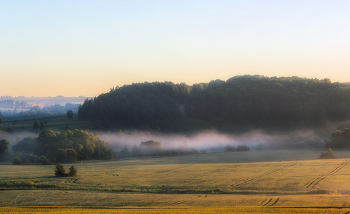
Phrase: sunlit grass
x=172 y=210
x=159 y=175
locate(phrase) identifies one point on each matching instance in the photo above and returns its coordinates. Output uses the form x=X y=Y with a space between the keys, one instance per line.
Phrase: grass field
x=174 y=210
x=214 y=182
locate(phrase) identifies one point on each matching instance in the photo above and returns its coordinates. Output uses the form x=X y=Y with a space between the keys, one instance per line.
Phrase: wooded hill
x=244 y=102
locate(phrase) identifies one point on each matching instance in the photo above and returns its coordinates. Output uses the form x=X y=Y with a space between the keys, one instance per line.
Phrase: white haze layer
x=204 y=140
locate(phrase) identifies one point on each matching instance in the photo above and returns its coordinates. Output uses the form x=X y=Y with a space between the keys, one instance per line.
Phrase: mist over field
x=211 y=140
x=214 y=141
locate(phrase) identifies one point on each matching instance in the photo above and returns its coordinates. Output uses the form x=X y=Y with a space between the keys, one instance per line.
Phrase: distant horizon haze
x=82 y=96
x=74 y=48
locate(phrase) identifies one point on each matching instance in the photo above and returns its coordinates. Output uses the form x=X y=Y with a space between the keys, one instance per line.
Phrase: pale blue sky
x=73 y=48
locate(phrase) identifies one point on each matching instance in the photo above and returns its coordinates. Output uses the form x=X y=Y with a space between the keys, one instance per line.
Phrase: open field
x=58 y=201
x=217 y=172
x=214 y=182
x=238 y=210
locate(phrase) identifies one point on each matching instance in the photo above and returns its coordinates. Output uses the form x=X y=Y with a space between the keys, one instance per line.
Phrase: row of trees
x=143 y=105
x=243 y=101
x=263 y=102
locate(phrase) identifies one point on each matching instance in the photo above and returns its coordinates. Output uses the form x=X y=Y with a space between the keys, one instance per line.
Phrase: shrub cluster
x=61 y=172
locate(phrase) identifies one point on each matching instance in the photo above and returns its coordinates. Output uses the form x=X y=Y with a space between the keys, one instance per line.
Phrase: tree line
x=244 y=102
x=142 y=105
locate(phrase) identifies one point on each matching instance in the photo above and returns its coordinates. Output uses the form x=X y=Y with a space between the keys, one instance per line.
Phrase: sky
x=86 y=47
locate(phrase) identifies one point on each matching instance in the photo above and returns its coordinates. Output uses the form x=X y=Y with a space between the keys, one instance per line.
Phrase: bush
x=17 y=161
x=73 y=171
x=327 y=155
x=59 y=171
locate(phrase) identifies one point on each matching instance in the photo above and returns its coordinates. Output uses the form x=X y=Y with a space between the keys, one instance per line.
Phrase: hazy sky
x=86 y=47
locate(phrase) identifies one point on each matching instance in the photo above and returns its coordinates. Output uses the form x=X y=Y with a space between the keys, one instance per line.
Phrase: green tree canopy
x=68 y=146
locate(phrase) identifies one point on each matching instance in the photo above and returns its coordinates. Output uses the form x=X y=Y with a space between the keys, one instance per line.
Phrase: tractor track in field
x=275 y=202
x=268 y=202
x=262 y=201
x=263 y=174
x=313 y=182
x=71 y=180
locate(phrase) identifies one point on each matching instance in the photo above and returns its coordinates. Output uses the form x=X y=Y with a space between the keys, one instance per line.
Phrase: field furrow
x=313 y=182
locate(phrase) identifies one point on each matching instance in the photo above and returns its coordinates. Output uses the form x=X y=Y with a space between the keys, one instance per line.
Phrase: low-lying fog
x=211 y=140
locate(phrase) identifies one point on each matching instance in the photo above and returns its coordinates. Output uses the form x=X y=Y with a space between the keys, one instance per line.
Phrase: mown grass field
x=203 y=183
x=213 y=172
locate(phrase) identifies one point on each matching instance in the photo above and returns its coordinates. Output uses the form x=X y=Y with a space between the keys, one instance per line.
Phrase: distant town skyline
x=84 y=48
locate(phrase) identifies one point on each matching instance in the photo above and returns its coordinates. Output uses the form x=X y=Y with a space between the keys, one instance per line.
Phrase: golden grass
x=273 y=187
x=238 y=210
x=159 y=175
x=94 y=199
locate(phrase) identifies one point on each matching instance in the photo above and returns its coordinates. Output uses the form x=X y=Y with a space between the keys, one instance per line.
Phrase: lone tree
x=35 y=125
x=4 y=150
x=0 y=119
x=70 y=114
x=73 y=171
x=59 y=171
x=327 y=155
